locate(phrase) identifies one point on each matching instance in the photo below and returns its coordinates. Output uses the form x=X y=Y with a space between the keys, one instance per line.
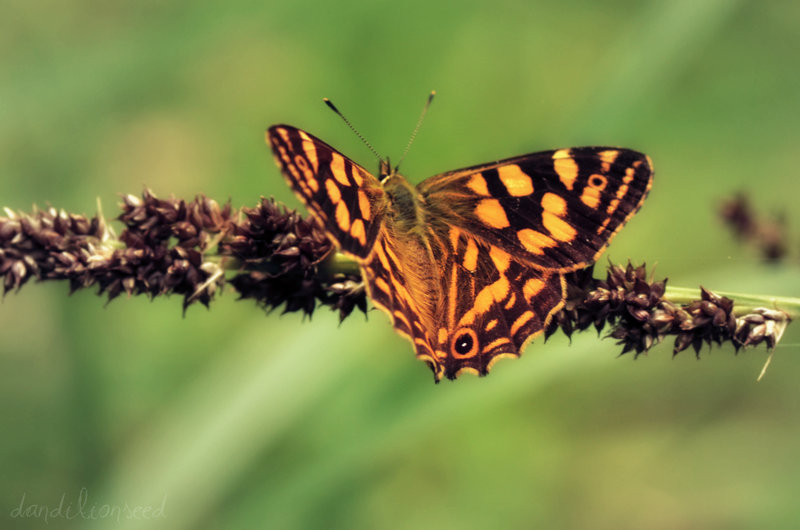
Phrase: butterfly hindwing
x=388 y=287
x=495 y=306
x=557 y=210
x=342 y=195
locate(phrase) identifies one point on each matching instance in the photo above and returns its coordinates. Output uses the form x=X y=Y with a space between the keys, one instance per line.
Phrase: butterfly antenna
x=338 y=112
x=416 y=129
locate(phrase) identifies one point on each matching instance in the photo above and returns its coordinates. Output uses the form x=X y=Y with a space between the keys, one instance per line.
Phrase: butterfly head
x=385 y=170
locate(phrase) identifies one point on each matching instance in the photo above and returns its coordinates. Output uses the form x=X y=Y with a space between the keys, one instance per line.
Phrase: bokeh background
x=230 y=418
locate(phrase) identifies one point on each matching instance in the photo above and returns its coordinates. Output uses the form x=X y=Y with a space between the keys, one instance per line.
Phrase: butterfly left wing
x=390 y=288
x=347 y=200
x=555 y=210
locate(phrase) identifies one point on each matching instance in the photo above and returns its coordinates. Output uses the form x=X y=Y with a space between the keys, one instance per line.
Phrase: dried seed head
x=287 y=261
x=641 y=317
x=52 y=244
x=769 y=235
x=282 y=260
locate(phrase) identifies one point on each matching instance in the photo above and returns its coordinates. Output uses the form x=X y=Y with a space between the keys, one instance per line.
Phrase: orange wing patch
x=566 y=168
x=515 y=180
x=492 y=213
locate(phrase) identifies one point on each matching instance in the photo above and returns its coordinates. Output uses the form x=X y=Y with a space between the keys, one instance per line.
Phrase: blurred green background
x=232 y=419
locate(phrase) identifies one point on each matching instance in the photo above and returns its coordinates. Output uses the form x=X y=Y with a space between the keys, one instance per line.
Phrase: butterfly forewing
x=345 y=197
x=556 y=210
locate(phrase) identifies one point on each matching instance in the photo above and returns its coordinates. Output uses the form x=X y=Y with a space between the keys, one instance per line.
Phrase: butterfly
x=469 y=264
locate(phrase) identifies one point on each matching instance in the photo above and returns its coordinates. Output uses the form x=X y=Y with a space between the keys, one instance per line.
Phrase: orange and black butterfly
x=468 y=264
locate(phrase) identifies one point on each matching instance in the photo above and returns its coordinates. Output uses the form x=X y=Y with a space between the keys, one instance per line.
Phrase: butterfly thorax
x=405 y=210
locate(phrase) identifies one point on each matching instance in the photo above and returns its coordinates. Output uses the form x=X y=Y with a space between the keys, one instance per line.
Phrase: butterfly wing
x=387 y=279
x=504 y=234
x=556 y=210
x=346 y=199
x=496 y=304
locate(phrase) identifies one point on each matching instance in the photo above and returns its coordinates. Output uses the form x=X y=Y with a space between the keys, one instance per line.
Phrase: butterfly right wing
x=343 y=196
x=505 y=232
x=555 y=210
